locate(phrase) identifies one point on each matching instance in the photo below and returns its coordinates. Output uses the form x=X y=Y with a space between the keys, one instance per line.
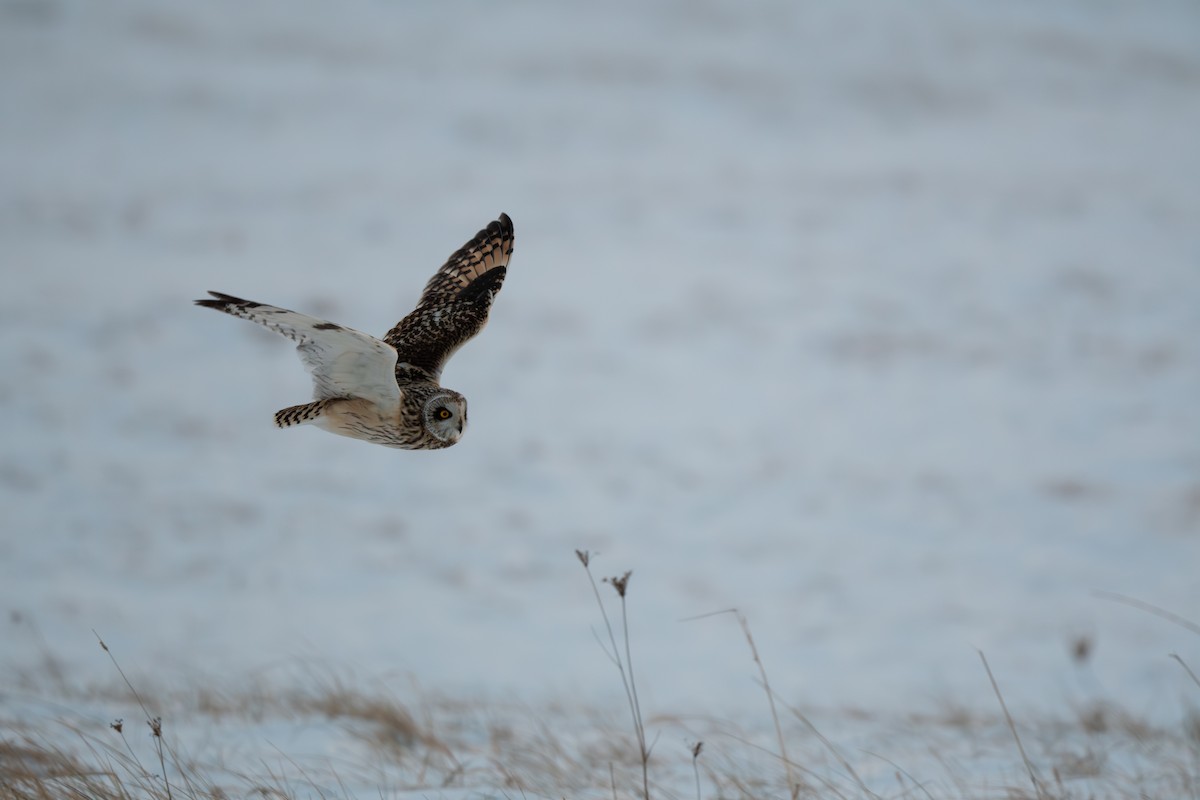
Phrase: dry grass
x=383 y=750
x=346 y=739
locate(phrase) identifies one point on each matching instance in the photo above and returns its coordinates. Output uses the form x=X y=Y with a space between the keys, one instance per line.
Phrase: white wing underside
x=343 y=362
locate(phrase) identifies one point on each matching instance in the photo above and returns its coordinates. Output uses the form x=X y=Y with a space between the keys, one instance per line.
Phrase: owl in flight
x=387 y=392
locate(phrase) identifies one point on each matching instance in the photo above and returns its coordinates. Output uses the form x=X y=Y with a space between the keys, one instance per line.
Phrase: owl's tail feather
x=298 y=415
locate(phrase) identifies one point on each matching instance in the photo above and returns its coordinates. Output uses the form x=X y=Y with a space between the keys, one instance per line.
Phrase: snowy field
x=879 y=322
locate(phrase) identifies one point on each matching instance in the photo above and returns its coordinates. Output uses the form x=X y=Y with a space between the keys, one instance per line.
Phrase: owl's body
x=387 y=391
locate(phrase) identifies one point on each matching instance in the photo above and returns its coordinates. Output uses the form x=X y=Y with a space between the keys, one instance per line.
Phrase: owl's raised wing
x=343 y=361
x=454 y=306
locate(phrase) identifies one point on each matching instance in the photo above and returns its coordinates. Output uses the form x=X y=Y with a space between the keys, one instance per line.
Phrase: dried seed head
x=584 y=556
x=117 y=725
x=1081 y=649
x=696 y=748
x=155 y=726
x=620 y=583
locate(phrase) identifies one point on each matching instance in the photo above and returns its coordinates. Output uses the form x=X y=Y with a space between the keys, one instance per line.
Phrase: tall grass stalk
x=1037 y=785
x=1186 y=668
x=1150 y=608
x=828 y=745
x=155 y=723
x=794 y=786
x=625 y=667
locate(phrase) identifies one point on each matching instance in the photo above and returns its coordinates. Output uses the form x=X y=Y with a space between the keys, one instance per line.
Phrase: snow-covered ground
x=879 y=322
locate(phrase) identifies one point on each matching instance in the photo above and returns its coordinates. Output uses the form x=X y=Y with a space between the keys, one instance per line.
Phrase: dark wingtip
x=208 y=302
x=501 y=226
x=222 y=300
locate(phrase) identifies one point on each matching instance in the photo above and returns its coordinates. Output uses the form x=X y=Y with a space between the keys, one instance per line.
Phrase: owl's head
x=446 y=416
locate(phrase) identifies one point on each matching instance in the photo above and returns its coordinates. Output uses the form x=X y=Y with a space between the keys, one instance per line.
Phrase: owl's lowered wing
x=454 y=306
x=343 y=361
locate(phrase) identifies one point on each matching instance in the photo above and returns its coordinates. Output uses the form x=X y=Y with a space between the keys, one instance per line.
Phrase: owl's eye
x=442 y=413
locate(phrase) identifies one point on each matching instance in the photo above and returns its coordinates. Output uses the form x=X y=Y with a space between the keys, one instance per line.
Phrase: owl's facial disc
x=446 y=417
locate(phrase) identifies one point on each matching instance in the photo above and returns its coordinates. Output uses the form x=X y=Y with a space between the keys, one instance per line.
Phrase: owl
x=387 y=391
